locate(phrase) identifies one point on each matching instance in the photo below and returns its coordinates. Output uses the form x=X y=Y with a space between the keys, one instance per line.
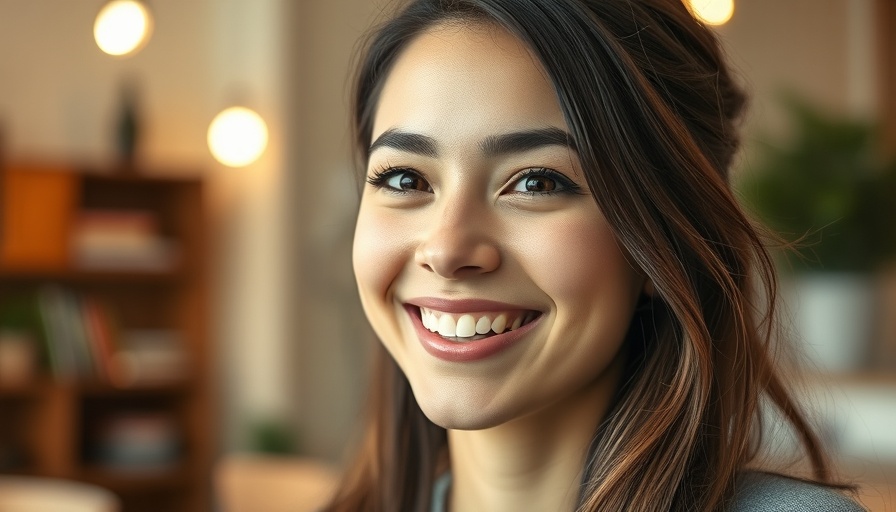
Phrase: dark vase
x=127 y=128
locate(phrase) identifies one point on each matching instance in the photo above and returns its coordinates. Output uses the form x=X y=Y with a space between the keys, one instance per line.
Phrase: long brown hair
x=653 y=111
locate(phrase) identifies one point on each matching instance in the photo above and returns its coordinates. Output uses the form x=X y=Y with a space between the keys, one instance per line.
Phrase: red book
x=100 y=338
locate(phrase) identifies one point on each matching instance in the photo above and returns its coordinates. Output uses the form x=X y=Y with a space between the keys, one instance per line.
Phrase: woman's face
x=482 y=260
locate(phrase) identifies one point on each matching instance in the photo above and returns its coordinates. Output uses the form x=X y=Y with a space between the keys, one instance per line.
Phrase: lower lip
x=465 y=351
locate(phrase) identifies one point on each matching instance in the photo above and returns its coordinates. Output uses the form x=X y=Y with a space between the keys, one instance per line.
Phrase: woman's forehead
x=458 y=78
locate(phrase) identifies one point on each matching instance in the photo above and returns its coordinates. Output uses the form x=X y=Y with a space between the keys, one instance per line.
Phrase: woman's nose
x=458 y=245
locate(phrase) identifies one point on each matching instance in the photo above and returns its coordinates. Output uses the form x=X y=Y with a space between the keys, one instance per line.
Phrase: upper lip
x=464 y=305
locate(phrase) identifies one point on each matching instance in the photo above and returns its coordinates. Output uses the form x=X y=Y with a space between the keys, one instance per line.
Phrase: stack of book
x=136 y=441
x=120 y=240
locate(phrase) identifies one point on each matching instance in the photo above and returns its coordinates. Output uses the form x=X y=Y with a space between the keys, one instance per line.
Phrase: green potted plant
x=829 y=191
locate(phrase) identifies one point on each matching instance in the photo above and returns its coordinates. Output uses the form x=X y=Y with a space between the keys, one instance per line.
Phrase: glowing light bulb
x=237 y=136
x=122 y=27
x=712 y=12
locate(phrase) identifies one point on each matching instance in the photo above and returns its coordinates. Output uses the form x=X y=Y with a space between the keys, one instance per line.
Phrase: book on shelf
x=107 y=239
x=61 y=357
x=84 y=341
x=150 y=356
x=136 y=441
x=101 y=335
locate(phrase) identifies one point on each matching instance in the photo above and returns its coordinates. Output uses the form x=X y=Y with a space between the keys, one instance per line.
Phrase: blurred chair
x=263 y=483
x=38 y=494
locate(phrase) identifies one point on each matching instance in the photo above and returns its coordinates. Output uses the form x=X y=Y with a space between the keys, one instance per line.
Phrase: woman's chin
x=458 y=412
x=460 y=420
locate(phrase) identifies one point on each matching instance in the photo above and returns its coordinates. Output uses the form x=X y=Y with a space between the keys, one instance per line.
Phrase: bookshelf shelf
x=33 y=388
x=137 y=482
x=38 y=386
x=103 y=389
x=115 y=387
x=76 y=276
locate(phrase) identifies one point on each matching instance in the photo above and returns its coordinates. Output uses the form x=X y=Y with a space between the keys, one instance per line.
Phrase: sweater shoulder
x=765 y=492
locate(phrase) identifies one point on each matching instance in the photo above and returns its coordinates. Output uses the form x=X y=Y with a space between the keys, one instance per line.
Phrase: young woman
x=572 y=305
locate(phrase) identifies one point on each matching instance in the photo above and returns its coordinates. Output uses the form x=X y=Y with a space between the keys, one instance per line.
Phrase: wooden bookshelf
x=60 y=424
x=885 y=24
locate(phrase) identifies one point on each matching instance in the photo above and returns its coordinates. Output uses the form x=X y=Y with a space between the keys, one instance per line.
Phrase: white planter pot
x=833 y=315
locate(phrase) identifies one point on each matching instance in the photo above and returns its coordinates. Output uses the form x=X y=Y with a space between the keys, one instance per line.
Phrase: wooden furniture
x=885 y=19
x=37 y=494
x=139 y=430
x=264 y=483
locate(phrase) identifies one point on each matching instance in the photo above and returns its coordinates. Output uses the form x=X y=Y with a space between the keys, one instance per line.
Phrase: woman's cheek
x=379 y=252
x=577 y=260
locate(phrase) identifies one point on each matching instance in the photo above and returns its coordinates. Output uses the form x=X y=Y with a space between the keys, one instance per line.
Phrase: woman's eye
x=400 y=180
x=408 y=181
x=536 y=184
x=544 y=181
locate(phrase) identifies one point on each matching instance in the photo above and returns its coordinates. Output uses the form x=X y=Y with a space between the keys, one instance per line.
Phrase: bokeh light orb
x=122 y=27
x=712 y=12
x=237 y=136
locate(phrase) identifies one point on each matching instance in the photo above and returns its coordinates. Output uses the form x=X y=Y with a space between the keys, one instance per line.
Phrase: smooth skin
x=448 y=216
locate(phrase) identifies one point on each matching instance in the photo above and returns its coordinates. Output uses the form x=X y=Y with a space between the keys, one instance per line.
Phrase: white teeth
x=447 y=327
x=483 y=326
x=466 y=326
x=433 y=322
x=499 y=323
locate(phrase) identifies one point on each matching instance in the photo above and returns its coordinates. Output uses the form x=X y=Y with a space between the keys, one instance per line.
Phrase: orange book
x=37 y=205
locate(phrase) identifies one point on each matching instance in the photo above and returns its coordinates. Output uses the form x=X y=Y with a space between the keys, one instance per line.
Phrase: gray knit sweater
x=756 y=492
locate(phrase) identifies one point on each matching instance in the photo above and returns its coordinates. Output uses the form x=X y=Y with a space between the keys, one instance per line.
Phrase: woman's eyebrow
x=502 y=144
x=404 y=141
x=526 y=140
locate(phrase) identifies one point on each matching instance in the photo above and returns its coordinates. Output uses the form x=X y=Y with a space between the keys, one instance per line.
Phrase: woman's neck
x=531 y=463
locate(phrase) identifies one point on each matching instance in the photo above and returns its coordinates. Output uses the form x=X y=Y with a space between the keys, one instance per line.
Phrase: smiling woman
x=549 y=252
x=477 y=208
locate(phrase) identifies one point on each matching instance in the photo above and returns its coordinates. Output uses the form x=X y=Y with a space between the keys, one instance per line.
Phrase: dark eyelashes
x=380 y=176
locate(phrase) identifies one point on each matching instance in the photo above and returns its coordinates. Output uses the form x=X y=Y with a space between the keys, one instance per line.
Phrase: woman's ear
x=645 y=299
x=648 y=288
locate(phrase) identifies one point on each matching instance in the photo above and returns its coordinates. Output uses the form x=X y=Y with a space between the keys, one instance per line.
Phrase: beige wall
x=330 y=335
x=822 y=50
x=58 y=92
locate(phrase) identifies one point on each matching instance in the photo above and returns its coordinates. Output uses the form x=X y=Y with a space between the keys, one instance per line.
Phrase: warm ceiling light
x=712 y=12
x=237 y=136
x=122 y=27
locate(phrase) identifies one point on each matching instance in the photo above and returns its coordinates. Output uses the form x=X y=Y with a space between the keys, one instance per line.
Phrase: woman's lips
x=456 y=330
x=463 y=305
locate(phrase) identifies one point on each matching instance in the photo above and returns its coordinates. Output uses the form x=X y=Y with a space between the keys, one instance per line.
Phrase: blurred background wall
x=276 y=224
x=288 y=334
x=824 y=51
